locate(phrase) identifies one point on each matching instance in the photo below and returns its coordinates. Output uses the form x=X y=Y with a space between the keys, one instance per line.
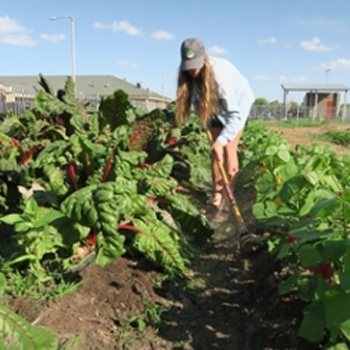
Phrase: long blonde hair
x=208 y=104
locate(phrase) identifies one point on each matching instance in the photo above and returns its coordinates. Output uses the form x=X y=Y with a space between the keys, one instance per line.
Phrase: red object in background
x=325 y=270
x=142 y=166
x=28 y=155
x=72 y=170
x=330 y=109
x=291 y=239
x=91 y=238
x=171 y=141
x=129 y=228
x=15 y=142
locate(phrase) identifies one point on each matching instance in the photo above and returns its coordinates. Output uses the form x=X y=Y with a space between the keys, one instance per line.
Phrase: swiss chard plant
x=109 y=180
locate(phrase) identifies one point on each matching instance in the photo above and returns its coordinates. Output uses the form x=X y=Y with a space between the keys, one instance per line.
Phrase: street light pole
x=72 y=42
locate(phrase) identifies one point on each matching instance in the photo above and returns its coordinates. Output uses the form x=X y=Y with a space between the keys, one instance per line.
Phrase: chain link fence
x=25 y=102
x=310 y=113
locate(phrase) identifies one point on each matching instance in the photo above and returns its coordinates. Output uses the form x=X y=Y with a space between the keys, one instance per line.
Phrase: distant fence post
x=344 y=108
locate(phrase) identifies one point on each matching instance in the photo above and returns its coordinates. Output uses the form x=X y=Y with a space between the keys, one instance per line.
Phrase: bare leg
x=218 y=183
x=231 y=164
x=231 y=159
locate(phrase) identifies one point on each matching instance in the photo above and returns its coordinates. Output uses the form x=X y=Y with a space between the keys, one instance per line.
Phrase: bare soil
x=306 y=135
x=231 y=302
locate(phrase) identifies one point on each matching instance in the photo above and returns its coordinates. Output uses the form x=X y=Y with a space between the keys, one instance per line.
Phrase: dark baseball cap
x=192 y=54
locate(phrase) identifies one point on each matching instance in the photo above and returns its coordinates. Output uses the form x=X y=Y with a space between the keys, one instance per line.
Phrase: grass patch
x=336 y=137
x=302 y=123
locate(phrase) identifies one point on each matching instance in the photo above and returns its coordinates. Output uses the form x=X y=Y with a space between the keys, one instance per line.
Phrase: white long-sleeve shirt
x=236 y=98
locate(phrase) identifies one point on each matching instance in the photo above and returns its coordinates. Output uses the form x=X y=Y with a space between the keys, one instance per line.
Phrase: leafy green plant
x=110 y=180
x=337 y=137
x=303 y=197
x=17 y=334
x=40 y=231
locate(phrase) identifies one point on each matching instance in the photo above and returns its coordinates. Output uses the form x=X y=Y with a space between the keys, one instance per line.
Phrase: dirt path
x=304 y=136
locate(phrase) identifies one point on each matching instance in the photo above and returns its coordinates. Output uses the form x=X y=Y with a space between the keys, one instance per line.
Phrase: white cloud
x=271 y=40
x=9 y=25
x=263 y=77
x=19 y=40
x=280 y=78
x=217 y=50
x=163 y=35
x=119 y=26
x=328 y=25
x=125 y=63
x=341 y=63
x=12 y=33
x=284 y=78
x=53 y=38
x=315 y=44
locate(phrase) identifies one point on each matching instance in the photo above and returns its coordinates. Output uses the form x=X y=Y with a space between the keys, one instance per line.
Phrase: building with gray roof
x=321 y=101
x=22 y=89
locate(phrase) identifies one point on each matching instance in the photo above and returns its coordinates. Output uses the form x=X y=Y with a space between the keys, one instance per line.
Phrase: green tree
x=273 y=105
x=293 y=106
x=261 y=101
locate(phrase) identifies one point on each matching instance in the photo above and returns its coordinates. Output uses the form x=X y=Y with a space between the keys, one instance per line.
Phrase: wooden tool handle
x=235 y=208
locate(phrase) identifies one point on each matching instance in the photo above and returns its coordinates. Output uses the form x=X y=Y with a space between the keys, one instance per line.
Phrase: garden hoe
x=244 y=234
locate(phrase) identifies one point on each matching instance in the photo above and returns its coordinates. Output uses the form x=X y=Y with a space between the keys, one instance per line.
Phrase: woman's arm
x=236 y=99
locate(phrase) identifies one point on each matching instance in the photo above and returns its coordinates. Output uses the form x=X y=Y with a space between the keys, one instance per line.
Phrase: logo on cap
x=190 y=53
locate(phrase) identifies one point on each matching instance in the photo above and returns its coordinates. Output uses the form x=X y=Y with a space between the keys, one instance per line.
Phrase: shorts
x=215 y=122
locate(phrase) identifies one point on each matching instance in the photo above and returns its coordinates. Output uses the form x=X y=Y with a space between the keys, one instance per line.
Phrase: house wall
x=327 y=105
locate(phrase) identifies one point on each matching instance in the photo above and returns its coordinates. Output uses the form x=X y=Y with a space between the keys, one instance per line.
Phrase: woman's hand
x=218 y=150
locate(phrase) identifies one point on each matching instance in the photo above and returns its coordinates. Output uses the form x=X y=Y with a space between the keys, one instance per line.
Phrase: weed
x=301 y=123
x=153 y=314
x=74 y=343
x=26 y=285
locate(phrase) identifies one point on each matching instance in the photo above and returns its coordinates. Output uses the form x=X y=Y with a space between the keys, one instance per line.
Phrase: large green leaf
x=2 y=283
x=156 y=242
x=283 y=153
x=46 y=216
x=287 y=285
x=344 y=278
x=11 y=219
x=337 y=308
x=259 y=210
x=313 y=323
x=339 y=346
x=334 y=249
x=109 y=247
x=287 y=171
x=14 y=330
x=161 y=168
x=309 y=256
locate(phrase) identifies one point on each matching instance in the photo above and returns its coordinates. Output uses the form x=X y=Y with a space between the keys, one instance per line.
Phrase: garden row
x=108 y=183
x=123 y=181
x=303 y=198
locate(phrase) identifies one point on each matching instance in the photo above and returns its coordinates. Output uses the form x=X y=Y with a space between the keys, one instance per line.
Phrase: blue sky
x=271 y=42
